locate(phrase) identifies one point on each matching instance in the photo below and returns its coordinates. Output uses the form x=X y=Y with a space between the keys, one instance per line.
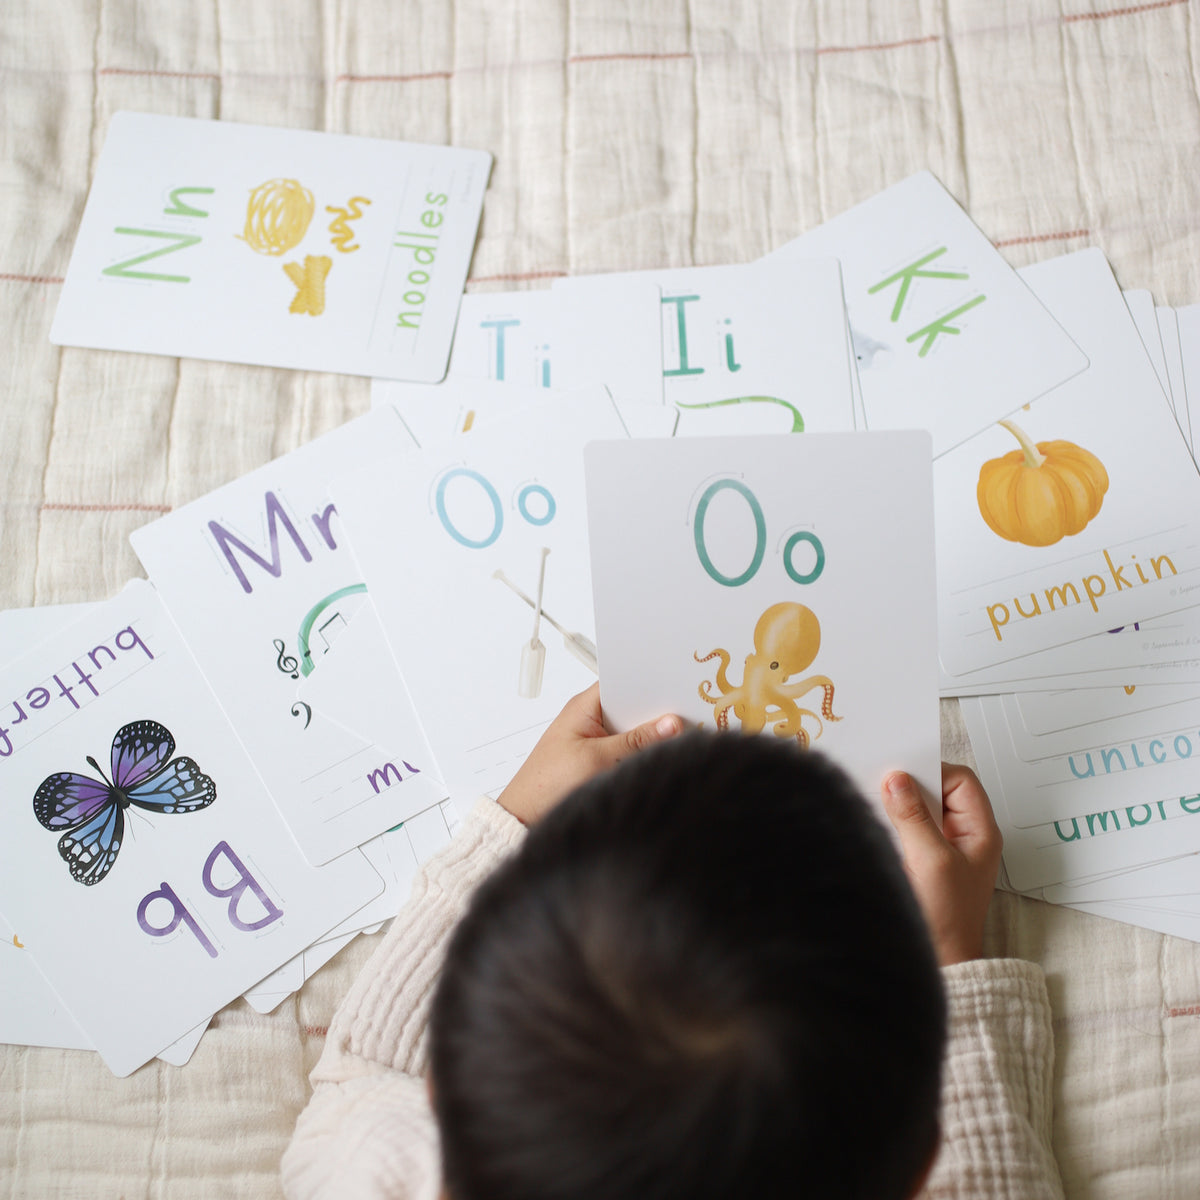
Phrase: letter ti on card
x=757 y=348
x=144 y=863
x=285 y=247
x=781 y=586
x=1079 y=515
x=258 y=578
x=475 y=552
x=947 y=338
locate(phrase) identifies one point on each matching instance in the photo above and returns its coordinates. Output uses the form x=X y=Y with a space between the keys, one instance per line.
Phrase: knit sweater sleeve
x=996 y=1086
x=367 y=1130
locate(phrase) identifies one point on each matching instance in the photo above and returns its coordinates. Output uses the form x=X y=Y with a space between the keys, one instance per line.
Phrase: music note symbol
x=285 y=662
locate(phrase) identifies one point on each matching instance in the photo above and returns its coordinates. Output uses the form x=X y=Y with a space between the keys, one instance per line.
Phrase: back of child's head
x=703 y=975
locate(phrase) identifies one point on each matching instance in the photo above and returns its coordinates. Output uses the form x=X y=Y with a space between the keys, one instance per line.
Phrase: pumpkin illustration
x=1041 y=493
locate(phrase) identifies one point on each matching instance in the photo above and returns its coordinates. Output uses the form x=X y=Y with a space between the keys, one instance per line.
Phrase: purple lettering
x=179 y=913
x=134 y=640
x=228 y=542
x=65 y=691
x=321 y=521
x=111 y=656
x=84 y=677
x=234 y=893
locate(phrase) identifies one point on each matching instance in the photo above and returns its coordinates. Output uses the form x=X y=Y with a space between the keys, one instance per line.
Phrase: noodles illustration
x=310 y=284
x=277 y=216
x=343 y=235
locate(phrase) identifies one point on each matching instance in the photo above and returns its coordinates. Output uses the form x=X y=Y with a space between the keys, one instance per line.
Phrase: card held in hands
x=781 y=585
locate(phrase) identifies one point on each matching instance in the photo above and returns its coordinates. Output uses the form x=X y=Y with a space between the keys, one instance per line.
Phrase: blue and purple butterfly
x=92 y=811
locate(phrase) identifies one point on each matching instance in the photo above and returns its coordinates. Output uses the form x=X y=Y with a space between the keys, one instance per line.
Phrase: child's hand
x=952 y=871
x=575 y=747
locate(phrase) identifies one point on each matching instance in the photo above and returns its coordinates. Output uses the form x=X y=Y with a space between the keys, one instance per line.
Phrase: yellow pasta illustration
x=310 y=284
x=342 y=235
x=277 y=216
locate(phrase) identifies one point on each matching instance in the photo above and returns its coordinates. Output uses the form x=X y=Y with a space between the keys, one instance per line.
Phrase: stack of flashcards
x=715 y=489
x=1069 y=613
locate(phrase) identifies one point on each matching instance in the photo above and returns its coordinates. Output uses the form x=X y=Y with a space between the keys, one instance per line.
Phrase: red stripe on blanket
x=1031 y=238
x=1190 y=1010
x=921 y=41
x=162 y=74
x=1121 y=12
x=31 y=278
x=517 y=277
x=53 y=507
x=392 y=78
x=632 y=57
x=317 y=1031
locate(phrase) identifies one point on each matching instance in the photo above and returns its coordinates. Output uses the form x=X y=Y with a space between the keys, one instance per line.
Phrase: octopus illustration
x=786 y=639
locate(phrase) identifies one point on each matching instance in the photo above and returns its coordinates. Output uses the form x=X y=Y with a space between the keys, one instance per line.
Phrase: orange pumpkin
x=1041 y=493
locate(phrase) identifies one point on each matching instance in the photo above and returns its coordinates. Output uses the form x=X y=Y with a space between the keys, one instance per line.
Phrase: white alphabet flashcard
x=606 y=331
x=1096 y=832
x=1044 y=712
x=282 y=247
x=775 y=585
x=433 y=412
x=505 y=337
x=1187 y=322
x=946 y=336
x=1161 y=650
x=145 y=865
x=759 y=348
x=1078 y=516
x=475 y=552
x=258 y=578
x=1141 y=308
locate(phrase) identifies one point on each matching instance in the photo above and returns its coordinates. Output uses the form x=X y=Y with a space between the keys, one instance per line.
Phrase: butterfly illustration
x=92 y=811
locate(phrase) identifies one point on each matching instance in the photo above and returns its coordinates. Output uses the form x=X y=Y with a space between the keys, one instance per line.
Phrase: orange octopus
x=786 y=640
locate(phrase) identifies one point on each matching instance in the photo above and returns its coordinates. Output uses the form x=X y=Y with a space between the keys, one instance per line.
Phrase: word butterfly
x=92 y=811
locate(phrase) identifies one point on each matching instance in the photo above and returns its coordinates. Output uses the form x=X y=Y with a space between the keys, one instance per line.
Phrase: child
x=702 y=974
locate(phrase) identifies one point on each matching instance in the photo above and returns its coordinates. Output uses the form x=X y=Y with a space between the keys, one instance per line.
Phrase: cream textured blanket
x=625 y=135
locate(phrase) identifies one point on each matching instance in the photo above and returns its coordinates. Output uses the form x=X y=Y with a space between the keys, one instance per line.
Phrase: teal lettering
x=1186 y=801
x=1186 y=750
x=500 y=326
x=1091 y=768
x=1075 y=835
x=1162 y=750
x=1101 y=819
x=1107 y=756
x=681 y=323
x=1133 y=821
x=122 y=269
x=729 y=360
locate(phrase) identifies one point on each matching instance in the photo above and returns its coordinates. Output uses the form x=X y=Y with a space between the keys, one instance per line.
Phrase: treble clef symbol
x=285 y=662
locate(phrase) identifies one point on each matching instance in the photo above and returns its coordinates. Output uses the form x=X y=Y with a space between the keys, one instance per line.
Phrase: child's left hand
x=574 y=748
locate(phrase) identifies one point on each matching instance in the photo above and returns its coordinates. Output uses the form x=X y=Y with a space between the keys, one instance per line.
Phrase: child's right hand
x=952 y=870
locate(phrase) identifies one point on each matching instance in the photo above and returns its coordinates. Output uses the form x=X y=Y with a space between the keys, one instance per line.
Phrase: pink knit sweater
x=368 y=1130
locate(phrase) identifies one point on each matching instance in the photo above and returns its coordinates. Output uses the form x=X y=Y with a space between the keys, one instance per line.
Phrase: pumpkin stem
x=1033 y=456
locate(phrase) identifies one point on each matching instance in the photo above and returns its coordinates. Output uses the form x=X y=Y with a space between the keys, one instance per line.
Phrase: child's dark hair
x=703 y=975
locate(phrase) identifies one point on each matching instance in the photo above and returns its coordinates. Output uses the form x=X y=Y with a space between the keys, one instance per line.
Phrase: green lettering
x=180 y=209
x=941 y=325
x=182 y=242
